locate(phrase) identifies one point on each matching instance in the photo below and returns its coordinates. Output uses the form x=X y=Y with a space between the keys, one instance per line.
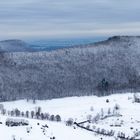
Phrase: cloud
x=61 y=18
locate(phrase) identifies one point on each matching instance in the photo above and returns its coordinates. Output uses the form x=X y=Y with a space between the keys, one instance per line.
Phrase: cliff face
x=74 y=71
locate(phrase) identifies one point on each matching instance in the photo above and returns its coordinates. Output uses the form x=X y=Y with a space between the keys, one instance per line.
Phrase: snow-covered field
x=126 y=118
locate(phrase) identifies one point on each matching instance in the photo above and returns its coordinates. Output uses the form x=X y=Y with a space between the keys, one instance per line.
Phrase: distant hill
x=14 y=46
x=54 y=44
x=99 y=68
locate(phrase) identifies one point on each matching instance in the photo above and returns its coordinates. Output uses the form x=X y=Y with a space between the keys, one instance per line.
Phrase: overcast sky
x=68 y=18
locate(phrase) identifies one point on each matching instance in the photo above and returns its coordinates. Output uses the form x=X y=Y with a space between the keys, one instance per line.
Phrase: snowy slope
x=77 y=108
x=60 y=131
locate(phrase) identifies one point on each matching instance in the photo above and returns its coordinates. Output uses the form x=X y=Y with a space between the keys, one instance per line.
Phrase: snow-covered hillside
x=118 y=114
x=74 y=71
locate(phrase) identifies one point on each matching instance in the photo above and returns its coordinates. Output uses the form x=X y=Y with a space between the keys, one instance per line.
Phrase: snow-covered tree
x=69 y=122
x=58 y=118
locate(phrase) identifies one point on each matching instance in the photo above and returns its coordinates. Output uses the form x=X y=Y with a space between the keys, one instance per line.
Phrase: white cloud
x=61 y=18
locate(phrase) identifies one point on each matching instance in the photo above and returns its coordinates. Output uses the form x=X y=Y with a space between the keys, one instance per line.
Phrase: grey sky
x=68 y=18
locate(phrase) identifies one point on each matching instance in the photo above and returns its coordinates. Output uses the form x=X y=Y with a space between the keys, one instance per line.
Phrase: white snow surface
x=77 y=108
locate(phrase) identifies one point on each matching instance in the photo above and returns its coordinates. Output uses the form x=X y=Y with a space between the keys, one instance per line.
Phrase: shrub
x=27 y=114
x=17 y=112
x=89 y=117
x=47 y=116
x=58 y=118
x=1 y=106
x=69 y=122
x=109 y=111
x=88 y=126
x=116 y=107
x=32 y=114
x=107 y=100
x=16 y=122
x=136 y=98
x=91 y=108
x=52 y=118
x=3 y=111
x=42 y=116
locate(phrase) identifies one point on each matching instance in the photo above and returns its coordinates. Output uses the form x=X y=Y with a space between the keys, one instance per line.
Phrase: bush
x=1 y=106
x=116 y=107
x=12 y=113
x=89 y=117
x=91 y=108
x=42 y=116
x=3 y=111
x=109 y=111
x=17 y=112
x=16 y=122
x=136 y=98
x=22 y=114
x=27 y=114
x=96 y=118
x=69 y=122
x=52 y=118
x=107 y=100
x=38 y=112
x=58 y=118
x=47 y=116
x=32 y=114
x=88 y=126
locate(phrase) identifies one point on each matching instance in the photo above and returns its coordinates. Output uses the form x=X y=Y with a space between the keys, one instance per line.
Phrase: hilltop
x=75 y=71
